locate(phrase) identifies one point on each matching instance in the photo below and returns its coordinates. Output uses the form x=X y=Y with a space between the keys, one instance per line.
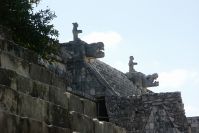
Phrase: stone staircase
x=34 y=99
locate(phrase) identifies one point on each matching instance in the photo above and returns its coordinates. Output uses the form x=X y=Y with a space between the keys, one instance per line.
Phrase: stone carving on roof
x=139 y=79
x=75 y=31
x=131 y=64
x=79 y=50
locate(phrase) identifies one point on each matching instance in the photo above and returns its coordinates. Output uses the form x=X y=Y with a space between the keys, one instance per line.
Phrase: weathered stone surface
x=76 y=32
x=14 y=63
x=18 y=51
x=117 y=80
x=10 y=123
x=163 y=112
x=33 y=88
x=107 y=127
x=75 y=103
x=89 y=108
x=81 y=123
x=46 y=92
x=54 y=129
x=194 y=124
x=27 y=106
x=8 y=100
x=84 y=82
x=30 y=70
x=57 y=116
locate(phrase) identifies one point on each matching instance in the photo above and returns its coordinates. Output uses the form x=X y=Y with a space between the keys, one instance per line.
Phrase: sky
x=162 y=35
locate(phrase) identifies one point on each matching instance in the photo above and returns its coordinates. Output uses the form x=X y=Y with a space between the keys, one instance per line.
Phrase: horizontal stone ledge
x=31 y=70
x=16 y=50
x=27 y=106
x=31 y=87
x=10 y=123
x=57 y=66
x=88 y=125
x=45 y=92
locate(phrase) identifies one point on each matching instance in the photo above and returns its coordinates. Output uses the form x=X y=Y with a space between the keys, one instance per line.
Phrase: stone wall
x=34 y=99
x=162 y=113
x=84 y=81
x=194 y=124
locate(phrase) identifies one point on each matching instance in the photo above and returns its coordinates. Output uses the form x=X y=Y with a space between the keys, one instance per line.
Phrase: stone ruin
x=79 y=93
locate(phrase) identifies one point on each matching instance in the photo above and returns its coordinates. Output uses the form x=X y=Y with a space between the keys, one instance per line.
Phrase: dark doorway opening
x=101 y=109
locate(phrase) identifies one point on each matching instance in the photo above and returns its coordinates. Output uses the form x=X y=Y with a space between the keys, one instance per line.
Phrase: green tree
x=29 y=29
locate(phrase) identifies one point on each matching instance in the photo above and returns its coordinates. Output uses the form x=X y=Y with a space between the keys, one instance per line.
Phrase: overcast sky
x=162 y=35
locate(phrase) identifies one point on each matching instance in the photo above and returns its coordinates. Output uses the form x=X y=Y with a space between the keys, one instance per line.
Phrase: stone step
x=47 y=92
x=85 y=124
x=58 y=66
x=31 y=70
x=27 y=106
x=10 y=123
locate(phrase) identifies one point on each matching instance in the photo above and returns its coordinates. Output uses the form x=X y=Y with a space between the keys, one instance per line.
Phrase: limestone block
x=59 y=82
x=16 y=50
x=8 y=100
x=81 y=123
x=90 y=108
x=14 y=63
x=23 y=84
x=107 y=127
x=40 y=73
x=31 y=107
x=27 y=106
x=39 y=90
x=75 y=103
x=111 y=128
x=8 y=78
x=34 y=88
x=57 y=96
x=26 y=125
x=54 y=129
x=56 y=115
x=119 y=130
x=10 y=123
x=98 y=126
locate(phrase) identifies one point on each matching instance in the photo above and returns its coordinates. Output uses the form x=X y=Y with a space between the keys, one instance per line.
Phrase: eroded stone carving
x=150 y=80
x=78 y=50
x=131 y=64
x=75 y=32
x=95 y=50
x=142 y=80
x=139 y=79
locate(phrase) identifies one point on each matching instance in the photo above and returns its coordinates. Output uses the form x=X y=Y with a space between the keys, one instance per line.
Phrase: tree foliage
x=29 y=29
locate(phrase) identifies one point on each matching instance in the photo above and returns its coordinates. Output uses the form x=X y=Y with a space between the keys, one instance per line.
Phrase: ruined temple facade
x=79 y=93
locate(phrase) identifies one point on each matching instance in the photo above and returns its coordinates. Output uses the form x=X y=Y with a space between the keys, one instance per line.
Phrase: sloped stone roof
x=116 y=79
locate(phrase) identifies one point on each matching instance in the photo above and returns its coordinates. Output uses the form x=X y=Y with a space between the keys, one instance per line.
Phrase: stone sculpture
x=131 y=64
x=75 y=32
x=142 y=80
x=77 y=49
x=139 y=79
x=95 y=50
x=149 y=80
